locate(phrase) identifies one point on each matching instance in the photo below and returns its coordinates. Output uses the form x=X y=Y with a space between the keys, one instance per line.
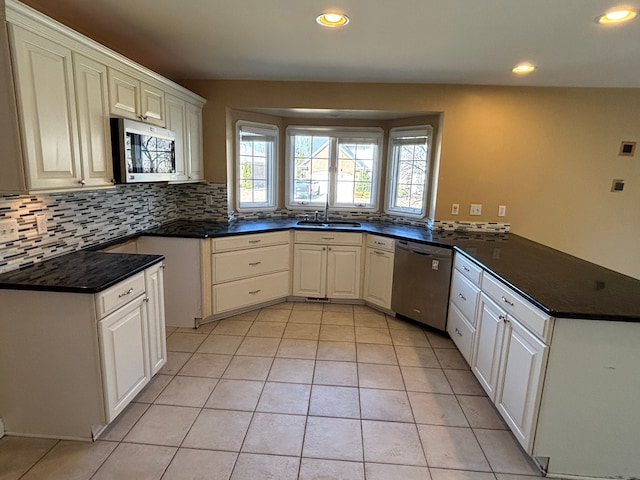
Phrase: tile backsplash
x=76 y=220
x=80 y=219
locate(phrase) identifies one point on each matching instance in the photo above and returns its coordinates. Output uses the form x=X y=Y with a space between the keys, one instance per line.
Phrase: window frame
x=268 y=130
x=337 y=135
x=392 y=171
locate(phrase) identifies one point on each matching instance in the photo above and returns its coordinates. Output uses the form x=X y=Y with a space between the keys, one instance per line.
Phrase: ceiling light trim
x=524 y=68
x=332 y=19
x=618 y=16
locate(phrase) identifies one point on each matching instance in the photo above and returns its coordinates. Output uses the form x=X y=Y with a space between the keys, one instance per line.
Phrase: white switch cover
x=455 y=209
x=8 y=230
x=476 y=209
x=502 y=210
x=41 y=224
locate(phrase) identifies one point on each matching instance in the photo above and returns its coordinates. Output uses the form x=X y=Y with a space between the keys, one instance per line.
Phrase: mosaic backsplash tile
x=81 y=219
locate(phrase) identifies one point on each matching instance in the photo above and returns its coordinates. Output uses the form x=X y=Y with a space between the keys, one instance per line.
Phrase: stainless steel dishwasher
x=421 y=279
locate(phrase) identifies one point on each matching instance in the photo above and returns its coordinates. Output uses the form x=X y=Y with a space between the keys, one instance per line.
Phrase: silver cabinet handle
x=378 y=243
x=253 y=264
x=128 y=292
x=503 y=318
x=378 y=253
x=458 y=332
x=328 y=238
x=82 y=182
x=145 y=299
x=507 y=301
x=465 y=269
x=253 y=292
x=255 y=241
x=462 y=297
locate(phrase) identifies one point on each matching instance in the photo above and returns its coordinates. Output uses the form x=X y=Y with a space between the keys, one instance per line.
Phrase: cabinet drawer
x=531 y=317
x=460 y=331
x=381 y=243
x=468 y=268
x=239 y=242
x=464 y=295
x=329 y=238
x=118 y=295
x=251 y=291
x=249 y=263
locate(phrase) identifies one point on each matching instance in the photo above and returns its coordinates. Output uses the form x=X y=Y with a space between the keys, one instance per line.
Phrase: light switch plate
x=476 y=209
x=455 y=209
x=502 y=210
x=8 y=230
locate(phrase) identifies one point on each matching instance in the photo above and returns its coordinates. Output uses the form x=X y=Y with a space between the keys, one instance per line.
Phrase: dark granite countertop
x=78 y=272
x=561 y=285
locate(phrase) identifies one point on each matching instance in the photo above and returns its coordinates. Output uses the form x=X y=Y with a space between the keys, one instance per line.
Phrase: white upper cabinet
x=135 y=99
x=92 y=101
x=195 y=170
x=46 y=105
x=66 y=88
x=185 y=119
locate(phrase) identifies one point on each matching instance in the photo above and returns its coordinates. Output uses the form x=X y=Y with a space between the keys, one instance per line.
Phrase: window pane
x=409 y=170
x=311 y=173
x=255 y=181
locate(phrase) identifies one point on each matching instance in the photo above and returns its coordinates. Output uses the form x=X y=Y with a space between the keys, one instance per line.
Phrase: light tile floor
x=295 y=391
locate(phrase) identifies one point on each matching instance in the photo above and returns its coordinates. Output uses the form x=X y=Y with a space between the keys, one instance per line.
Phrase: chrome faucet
x=326 y=209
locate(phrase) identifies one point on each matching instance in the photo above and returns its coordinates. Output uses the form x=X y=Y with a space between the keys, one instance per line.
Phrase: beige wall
x=549 y=154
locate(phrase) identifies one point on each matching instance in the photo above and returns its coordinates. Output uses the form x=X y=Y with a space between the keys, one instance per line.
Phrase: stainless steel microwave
x=142 y=152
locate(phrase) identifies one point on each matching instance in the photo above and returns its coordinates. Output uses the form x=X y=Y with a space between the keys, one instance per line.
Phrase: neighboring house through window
x=256 y=162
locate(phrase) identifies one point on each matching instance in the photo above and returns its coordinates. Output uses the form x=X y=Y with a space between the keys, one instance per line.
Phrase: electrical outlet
x=8 y=230
x=476 y=209
x=455 y=209
x=41 y=224
x=502 y=210
x=210 y=200
x=149 y=203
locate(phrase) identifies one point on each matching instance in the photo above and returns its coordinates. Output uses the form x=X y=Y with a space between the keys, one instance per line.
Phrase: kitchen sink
x=331 y=223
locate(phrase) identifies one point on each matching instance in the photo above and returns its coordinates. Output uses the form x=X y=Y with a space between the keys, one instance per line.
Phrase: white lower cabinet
x=327 y=265
x=86 y=357
x=124 y=352
x=520 y=379
x=378 y=270
x=485 y=360
x=248 y=270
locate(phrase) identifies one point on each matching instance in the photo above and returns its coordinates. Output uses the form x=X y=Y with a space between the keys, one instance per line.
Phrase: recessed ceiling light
x=523 y=68
x=332 y=19
x=617 y=16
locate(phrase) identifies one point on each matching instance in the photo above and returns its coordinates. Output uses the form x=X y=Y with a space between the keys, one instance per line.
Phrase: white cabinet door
x=309 y=270
x=152 y=104
x=488 y=344
x=176 y=111
x=92 y=100
x=378 y=277
x=124 y=355
x=154 y=285
x=131 y=98
x=124 y=92
x=195 y=165
x=520 y=381
x=46 y=102
x=343 y=272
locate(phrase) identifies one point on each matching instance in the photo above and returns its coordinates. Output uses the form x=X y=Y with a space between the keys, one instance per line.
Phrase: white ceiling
x=406 y=41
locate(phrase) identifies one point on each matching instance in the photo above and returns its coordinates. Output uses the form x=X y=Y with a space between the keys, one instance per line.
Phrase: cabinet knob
x=458 y=332
x=82 y=182
x=503 y=318
x=146 y=299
